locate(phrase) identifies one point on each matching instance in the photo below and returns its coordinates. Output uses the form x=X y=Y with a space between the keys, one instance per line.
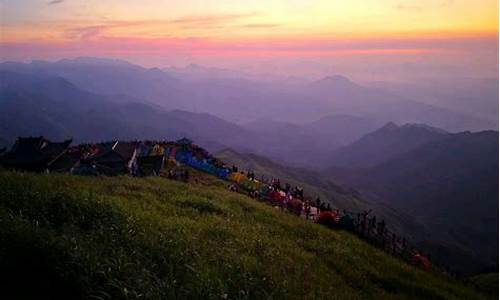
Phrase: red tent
x=328 y=218
x=276 y=196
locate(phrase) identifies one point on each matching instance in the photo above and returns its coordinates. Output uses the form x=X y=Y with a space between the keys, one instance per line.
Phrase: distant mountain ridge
x=56 y=108
x=288 y=142
x=242 y=99
x=447 y=181
x=52 y=106
x=475 y=96
x=383 y=144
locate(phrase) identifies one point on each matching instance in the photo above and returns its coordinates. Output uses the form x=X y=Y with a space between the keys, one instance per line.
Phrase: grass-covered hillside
x=70 y=237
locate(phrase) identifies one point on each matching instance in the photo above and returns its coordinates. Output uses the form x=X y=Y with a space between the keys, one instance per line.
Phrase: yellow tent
x=237 y=177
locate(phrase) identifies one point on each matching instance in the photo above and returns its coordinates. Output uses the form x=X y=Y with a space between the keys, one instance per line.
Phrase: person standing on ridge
x=363 y=221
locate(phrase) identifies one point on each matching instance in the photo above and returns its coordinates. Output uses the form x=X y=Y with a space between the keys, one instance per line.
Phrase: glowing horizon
x=169 y=32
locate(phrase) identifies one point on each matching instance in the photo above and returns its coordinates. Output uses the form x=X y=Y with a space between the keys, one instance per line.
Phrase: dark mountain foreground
x=73 y=237
x=449 y=183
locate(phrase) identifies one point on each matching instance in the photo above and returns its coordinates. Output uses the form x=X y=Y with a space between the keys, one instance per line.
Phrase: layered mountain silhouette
x=474 y=96
x=37 y=103
x=242 y=99
x=448 y=181
x=439 y=186
x=56 y=108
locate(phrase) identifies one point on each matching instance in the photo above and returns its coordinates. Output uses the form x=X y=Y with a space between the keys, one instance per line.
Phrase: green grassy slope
x=72 y=237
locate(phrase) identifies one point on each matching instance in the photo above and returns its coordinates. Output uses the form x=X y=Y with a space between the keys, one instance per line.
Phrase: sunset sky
x=289 y=34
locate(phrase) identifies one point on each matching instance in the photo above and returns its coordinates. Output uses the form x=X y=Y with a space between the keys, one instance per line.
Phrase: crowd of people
x=364 y=224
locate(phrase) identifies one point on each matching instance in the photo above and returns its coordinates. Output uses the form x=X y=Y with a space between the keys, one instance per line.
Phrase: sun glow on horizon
x=172 y=31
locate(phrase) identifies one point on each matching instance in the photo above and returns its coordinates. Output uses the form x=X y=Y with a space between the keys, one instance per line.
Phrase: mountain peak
x=390 y=126
x=336 y=79
x=385 y=143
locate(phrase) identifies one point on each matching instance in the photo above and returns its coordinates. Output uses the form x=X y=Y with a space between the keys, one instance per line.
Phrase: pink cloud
x=86 y=32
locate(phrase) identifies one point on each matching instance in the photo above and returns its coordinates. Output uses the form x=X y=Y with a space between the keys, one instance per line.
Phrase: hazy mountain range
x=242 y=100
x=289 y=116
x=471 y=96
x=54 y=107
x=447 y=181
x=435 y=182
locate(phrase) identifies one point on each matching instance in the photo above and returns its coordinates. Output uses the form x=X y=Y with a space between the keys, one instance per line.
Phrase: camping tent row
x=137 y=158
x=38 y=154
x=204 y=164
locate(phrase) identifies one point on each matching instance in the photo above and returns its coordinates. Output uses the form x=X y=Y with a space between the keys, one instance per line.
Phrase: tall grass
x=69 y=237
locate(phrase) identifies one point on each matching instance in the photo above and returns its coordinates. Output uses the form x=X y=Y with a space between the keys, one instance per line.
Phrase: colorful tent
x=223 y=172
x=237 y=177
x=328 y=218
x=276 y=196
x=250 y=184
